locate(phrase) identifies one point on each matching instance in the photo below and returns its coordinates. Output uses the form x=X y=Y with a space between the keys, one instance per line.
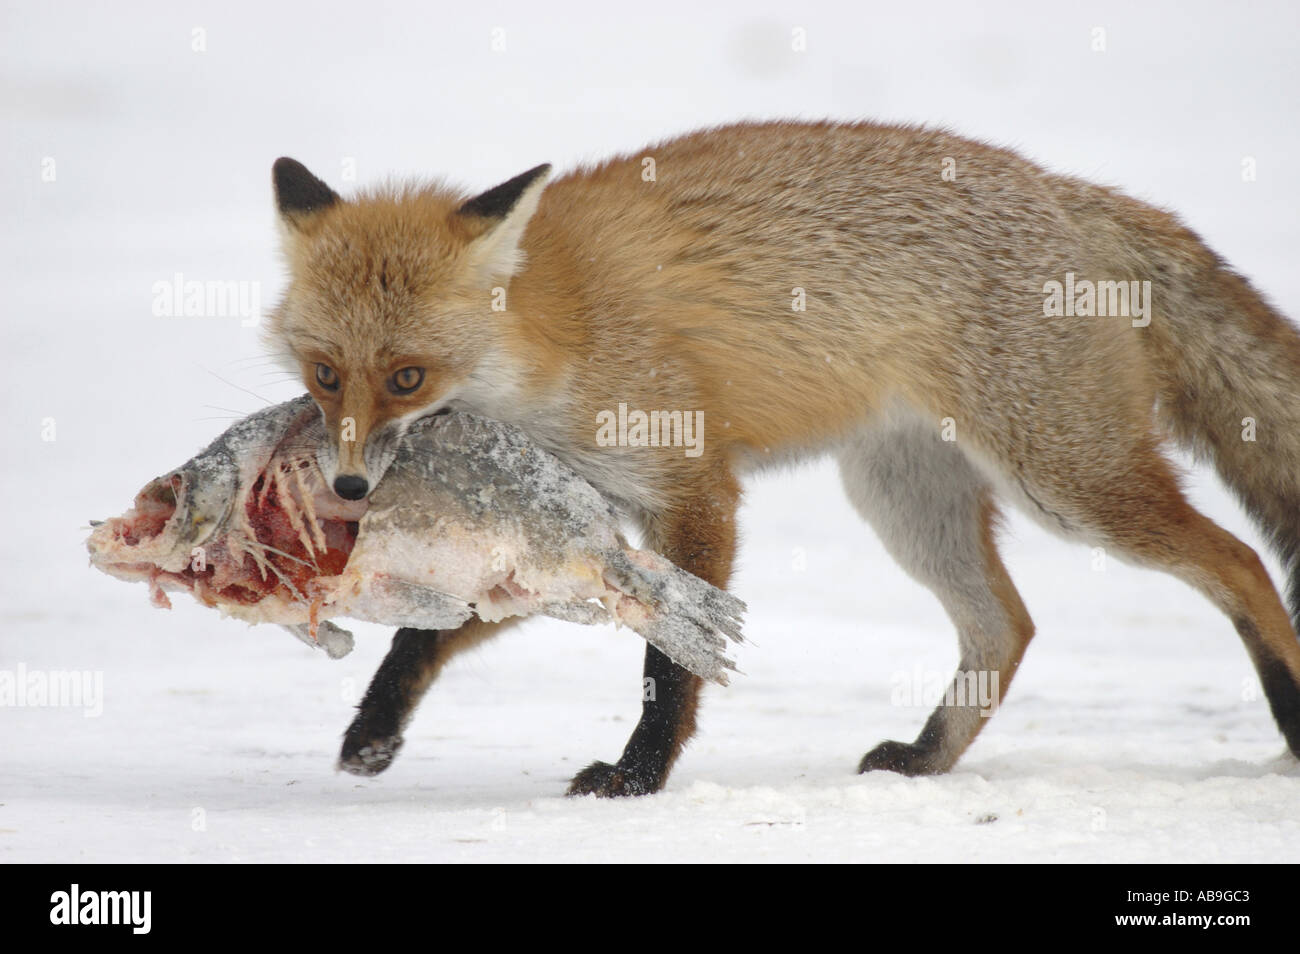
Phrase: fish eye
x=406 y=380
x=327 y=377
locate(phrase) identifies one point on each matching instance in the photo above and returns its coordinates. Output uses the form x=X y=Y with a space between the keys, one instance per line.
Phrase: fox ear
x=299 y=195
x=496 y=219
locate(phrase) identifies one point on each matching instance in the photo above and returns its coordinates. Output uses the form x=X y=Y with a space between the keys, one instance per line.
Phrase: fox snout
x=344 y=463
x=353 y=464
x=346 y=471
x=351 y=486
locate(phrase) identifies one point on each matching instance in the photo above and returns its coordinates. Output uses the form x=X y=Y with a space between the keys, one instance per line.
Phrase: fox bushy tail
x=1228 y=369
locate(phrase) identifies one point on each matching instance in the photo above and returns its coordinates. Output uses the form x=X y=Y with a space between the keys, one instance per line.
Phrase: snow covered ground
x=1135 y=730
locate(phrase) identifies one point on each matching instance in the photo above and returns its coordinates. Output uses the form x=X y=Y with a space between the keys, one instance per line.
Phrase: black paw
x=905 y=758
x=611 y=781
x=366 y=753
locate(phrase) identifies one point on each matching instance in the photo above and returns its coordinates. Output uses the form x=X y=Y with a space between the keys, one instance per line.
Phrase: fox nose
x=351 y=487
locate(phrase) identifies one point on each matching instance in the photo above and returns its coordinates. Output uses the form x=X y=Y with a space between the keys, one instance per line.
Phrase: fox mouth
x=284 y=532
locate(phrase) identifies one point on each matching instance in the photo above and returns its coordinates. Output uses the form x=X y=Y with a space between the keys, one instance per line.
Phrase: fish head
x=248 y=519
x=169 y=522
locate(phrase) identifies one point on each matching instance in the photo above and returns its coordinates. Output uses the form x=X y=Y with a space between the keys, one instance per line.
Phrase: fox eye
x=327 y=377
x=406 y=381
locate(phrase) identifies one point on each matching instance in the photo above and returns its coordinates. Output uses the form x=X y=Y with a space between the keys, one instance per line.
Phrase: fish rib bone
x=310 y=509
x=291 y=511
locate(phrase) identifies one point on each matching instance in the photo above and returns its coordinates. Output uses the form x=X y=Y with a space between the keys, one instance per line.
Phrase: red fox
x=954 y=323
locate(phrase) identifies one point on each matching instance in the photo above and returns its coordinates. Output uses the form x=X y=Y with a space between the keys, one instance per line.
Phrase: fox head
x=389 y=310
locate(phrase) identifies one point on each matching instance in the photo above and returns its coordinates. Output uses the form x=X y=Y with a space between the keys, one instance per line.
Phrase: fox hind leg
x=934 y=513
x=1144 y=518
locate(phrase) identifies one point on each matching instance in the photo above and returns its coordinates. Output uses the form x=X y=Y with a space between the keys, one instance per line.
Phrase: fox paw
x=367 y=755
x=905 y=758
x=610 y=781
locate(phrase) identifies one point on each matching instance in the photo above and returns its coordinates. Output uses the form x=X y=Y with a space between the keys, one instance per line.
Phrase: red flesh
x=223 y=581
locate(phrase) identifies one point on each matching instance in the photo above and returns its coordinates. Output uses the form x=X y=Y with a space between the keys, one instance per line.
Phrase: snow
x=1134 y=731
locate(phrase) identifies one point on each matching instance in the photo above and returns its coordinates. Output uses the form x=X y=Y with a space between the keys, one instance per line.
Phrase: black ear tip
x=286 y=166
x=536 y=172
x=497 y=202
x=297 y=190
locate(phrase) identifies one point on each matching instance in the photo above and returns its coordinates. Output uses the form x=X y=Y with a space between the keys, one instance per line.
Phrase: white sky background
x=163 y=156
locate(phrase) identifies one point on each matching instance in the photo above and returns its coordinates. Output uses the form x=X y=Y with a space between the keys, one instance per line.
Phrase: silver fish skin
x=471 y=518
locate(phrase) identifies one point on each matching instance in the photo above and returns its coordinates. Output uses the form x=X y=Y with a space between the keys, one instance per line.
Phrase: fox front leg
x=414 y=661
x=699 y=535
